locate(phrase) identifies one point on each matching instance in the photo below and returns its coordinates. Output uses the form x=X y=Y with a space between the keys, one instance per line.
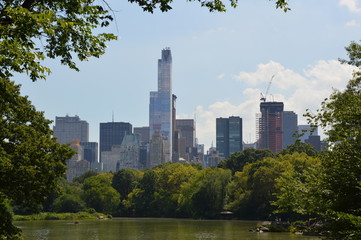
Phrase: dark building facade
x=270 y=126
x=315 y=141
x=112 y=133
x=289 y=128
x=229 y=136
x=235 y=135
x=90 y=151
x=222 y=145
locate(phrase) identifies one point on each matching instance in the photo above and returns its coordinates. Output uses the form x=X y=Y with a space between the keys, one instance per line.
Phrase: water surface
x=160 y=229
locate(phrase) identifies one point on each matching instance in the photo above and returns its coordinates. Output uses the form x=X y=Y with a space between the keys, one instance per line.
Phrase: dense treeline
x=245 y=184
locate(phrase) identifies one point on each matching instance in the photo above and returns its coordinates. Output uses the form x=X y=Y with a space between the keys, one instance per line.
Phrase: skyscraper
x=160 y=105
x=186 y=131
x=158 y=151
x=130 y=152
x=90 y=151
x=289 y=128
x=270 y=126
x=67 y=129
x=229 y=136
x=143 y=133
x=235 y=134
x=112 y=133
x=222 y=136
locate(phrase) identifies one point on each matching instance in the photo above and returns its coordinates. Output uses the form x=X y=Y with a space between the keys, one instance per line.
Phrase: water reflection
x=160 y=229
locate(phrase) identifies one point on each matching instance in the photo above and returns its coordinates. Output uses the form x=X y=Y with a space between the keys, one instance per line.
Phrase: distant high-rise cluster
x=168 y=139
x=74 y=131
x=277 y=129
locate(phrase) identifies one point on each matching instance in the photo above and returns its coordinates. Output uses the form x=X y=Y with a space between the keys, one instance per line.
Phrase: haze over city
x=221 y=63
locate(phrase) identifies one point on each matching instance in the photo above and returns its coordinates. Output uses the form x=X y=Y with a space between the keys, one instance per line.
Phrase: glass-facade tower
x=235 y=134
x=229 y=136
x=160 y=105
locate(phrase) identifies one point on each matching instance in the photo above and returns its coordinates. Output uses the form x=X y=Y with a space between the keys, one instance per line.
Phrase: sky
x=222 y=62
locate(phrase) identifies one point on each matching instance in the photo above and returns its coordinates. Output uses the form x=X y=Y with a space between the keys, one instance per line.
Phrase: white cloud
x=283 y=78
x=352 y=5
x=298 y=91
x=351 y=23
x=221 y=76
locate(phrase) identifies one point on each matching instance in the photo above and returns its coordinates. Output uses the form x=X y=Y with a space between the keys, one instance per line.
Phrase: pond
x=148 y=228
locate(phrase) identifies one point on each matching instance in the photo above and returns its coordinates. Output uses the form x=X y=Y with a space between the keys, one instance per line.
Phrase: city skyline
x=220 y=64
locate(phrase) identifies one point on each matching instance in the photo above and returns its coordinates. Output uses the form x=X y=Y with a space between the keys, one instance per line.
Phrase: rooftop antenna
x=112 y=115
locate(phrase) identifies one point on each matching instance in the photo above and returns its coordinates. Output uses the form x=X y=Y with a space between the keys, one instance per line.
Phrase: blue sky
x=221 y=63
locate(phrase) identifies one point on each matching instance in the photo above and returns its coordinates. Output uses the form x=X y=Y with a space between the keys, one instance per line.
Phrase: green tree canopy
x=87 y=174
x=212 y=5
x=238 y=160
x=299 y=147
x=125 y=180
x=141 y=200
x=100 y=195
x=332 y=190
x=32 y=30
x=204 y=195
x=31 y=161
x=252 y=191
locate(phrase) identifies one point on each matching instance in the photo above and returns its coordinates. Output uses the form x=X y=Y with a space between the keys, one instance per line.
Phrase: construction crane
x=264 y=97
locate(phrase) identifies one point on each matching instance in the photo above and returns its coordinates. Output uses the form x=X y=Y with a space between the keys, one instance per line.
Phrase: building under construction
x=269 y=126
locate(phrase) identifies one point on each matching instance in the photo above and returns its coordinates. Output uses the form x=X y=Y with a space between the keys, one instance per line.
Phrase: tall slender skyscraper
x=160 y=105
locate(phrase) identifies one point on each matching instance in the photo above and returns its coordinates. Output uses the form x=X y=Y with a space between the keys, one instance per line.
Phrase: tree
x=238 y=160
x=87 y=174
x=334 y=187
x=204 y=195
x=64 y=29
x=170 y=179
x=212 y=5
x=68 y=203
x=252 y=191
x=140 y=202
x=299 y=147
x=125 y=180
x=69 y=199
x=31 y=160
x=100 y=195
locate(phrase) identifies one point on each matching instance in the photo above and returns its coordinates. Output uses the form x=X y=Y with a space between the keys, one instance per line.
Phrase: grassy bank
x=60 y=216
